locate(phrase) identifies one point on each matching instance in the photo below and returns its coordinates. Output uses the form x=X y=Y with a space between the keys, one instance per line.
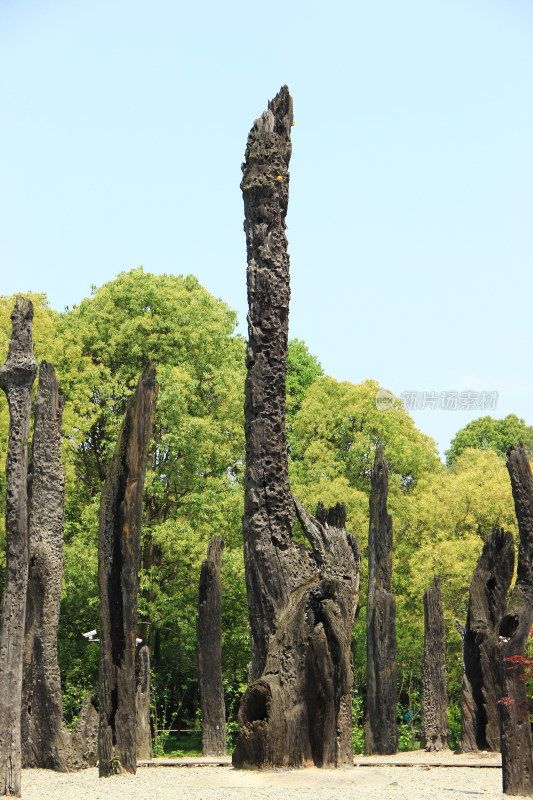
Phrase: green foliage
x=194 y=488
x=302 y=371
x=494 y=434
x=358 y=734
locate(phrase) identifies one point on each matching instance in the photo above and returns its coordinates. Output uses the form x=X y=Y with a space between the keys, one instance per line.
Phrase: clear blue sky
x=123 y=130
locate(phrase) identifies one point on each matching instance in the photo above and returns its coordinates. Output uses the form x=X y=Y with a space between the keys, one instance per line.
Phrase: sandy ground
x=429 y=777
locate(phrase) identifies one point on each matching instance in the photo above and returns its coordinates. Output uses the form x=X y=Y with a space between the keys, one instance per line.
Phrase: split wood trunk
x=298 y=713
x=480 y=727
x=381 y=729
x=16 y=379
x=514 y=630
x=297 y=710
x=434 y=731
x=144 y=734
x=45 y=739
x=119 y=541
x=209 y=652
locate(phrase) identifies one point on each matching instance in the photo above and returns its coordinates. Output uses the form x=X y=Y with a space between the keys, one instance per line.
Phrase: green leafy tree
x=494 y=434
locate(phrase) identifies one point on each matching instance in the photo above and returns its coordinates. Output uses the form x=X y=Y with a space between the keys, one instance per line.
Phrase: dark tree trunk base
x=16 y=379
x=381 y=729
x=480 y=729
x=513 y=633
x=209 y=652
x=119 y=545
x=434 y=731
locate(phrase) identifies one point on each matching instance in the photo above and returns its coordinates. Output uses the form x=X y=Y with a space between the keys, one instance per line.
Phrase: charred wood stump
x=480 y=727
x=119 y=542
x=45 y=739
x=209 y=652
x=297 y=710
x=144 y=734
x=513 y=632
x=84 y=741
x=16 y=379
x=381 y=729
x=434 y=730
x=268 y=506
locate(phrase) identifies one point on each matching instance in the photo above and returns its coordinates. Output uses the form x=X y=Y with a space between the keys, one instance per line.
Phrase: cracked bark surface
x=119 y=543
x=513 y=632
x=209 y=652
x=434 y=731
x=381 y=730
x=45 y=739
x=297 y=709
x=480 y=727
x=16 y=379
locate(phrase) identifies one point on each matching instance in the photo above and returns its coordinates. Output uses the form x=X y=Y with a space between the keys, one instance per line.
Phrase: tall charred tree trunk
x=297 y=710
x=434 y=713
x=118 y=578
x=144 y=735
x=480 y=728
x=514 y=629
x=16 y=379
x=45 y=740
x=209 y=652
x=381 y=730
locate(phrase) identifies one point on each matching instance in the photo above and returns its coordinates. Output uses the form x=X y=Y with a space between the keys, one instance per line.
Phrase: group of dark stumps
x=297 y=710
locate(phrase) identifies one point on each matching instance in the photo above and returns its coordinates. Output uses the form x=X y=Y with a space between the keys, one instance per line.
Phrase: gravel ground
x=418 y=782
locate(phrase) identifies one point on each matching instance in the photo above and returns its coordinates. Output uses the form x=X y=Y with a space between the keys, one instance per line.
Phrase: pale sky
x=123 y=130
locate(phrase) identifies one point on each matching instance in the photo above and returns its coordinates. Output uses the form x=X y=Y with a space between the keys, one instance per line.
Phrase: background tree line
x=441 y=514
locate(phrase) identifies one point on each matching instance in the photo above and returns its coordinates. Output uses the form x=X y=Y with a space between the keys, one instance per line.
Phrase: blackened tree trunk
x=297 y=710
x=381 y=729
x=434 y=729
x=209 y=652
x=16 y=379
x=298 y=713
x=118 y=578
x=480 y=728
x=514 y=629
x=45 y=740
x=144 y=735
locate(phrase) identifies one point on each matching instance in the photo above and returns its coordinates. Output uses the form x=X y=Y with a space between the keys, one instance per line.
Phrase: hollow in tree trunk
x=119 y=542
x=480 y=727
x=297 y=710
x=513 y=632
x=16 y=379
x=381 y=730
x=434 y=729
x=209 y=652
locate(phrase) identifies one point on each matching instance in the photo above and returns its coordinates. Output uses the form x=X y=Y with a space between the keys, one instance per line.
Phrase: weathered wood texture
x=45 y=739
x=144 y=734
x=84 y=742
x=381 y=729
x=119 y=542
x=480 y=728
x=297 y=710
x=209 y=652
x=268 y=509
x=513 y=630
x=16 y=379
x=434 y=731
